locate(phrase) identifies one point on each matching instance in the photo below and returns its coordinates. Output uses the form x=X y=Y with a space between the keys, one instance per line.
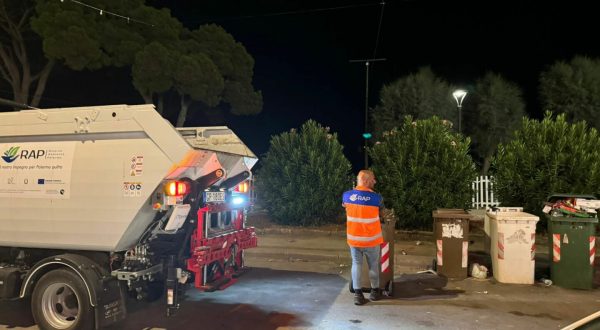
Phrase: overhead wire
x=107 y=12
x=379 y=29
x=291 y=12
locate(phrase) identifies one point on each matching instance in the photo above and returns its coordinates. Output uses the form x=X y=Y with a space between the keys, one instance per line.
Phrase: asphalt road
x=262 y=299
x=277 y=299
x=299 y=280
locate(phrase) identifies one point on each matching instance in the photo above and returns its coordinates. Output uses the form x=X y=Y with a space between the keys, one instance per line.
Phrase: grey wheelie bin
x=386 y=267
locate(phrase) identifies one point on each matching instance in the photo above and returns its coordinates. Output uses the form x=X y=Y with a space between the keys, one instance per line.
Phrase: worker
x=363 y=230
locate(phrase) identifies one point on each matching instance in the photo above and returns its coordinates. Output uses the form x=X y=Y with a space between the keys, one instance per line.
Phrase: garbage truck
x=106 y=203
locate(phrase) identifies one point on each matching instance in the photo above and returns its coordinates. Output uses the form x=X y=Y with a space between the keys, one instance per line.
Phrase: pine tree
x=573 y=88
x=420 y=95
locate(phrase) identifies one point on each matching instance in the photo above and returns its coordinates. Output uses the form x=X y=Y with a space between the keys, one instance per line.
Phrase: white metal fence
x=483 y=193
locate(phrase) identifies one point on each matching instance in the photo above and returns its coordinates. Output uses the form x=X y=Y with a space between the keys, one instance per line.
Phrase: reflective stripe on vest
x=359 y=220
x=362 y=217
x=364 y=239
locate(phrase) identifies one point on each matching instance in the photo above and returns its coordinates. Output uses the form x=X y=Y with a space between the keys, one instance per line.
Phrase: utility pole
x=366 y=133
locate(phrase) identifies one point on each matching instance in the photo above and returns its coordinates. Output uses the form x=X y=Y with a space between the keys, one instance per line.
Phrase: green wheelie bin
x=572 y=243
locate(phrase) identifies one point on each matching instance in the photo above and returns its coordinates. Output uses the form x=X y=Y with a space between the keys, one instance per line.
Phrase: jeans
x=372 y=254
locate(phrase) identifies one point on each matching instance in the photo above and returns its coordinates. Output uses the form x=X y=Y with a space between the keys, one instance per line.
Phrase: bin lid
x=505 y=209
x=459 y=211
x=512 y=216
x=573 y=219
x=556 y=196
x=452 y=214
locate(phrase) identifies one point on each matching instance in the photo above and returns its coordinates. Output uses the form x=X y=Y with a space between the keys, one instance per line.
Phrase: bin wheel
x=351 y=289
x=388 y=291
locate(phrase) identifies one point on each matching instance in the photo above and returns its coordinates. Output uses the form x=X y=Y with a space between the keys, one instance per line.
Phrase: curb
x=406 y=235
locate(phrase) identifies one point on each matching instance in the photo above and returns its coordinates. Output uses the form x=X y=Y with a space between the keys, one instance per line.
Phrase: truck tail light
x=176 y=188
x=243 y=187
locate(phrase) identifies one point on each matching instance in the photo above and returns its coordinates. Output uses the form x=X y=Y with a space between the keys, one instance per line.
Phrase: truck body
x=101 y=202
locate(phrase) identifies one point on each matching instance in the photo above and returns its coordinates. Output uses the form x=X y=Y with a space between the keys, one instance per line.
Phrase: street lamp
x=366 y=134
x=459 y=96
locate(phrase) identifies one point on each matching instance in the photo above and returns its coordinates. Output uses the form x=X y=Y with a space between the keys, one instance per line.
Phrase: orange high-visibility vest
x=362 y=217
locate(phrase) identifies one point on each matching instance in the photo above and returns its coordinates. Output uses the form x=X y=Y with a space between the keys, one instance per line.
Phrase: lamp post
x=367 y=135
x=459 y=96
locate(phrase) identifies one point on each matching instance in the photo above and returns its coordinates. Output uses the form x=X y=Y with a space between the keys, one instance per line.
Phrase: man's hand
x=386 y=214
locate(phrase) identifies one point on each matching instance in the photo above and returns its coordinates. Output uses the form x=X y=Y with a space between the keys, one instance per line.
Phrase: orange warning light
x=175 y=188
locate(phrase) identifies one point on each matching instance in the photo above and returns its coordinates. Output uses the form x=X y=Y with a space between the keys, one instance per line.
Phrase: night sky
x=302 y=58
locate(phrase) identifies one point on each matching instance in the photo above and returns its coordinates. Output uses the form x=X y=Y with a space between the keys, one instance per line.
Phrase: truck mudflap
x=172 y=287
x=110 y=306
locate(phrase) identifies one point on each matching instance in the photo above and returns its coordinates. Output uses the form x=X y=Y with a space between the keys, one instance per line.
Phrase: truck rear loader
x=102 y=203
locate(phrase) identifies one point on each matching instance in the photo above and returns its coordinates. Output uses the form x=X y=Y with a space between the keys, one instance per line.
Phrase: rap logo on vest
x=355 y=197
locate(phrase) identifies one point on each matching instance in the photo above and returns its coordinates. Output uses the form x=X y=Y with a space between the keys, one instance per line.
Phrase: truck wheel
x=61 y=301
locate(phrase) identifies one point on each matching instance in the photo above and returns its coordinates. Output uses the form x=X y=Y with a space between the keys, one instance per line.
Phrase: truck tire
x=60 y=300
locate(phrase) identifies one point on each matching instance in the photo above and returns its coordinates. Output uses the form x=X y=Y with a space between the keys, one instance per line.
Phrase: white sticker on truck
x=132 y=189
x=36 y=169
x=137 y=166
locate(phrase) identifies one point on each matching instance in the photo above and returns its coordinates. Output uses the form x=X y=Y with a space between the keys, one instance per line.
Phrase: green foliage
x=551 y=156
x=197 y=76
x=242 y=98
x=206 y=65
x=493 y=112
x=303 y=176
x=422 y=166
x=230 y=56
x=151 y=69
x=83 y=39
x=573 y=88
x=420 y=95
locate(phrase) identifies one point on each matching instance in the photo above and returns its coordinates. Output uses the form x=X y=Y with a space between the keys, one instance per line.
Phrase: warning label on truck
x=137 y=166
x=36 y=169
x=132 y=189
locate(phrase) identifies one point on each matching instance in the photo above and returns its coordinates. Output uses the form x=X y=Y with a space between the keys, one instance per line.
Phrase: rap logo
x=11 y=154
x=35 y=154
x=355 y=197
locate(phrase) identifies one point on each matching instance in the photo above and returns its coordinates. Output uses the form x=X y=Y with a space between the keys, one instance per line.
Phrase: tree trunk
x=41 y=84
x=161 y=104
x=15 y=67
x=147 y=98
x=487 y=162
x=182 y=112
